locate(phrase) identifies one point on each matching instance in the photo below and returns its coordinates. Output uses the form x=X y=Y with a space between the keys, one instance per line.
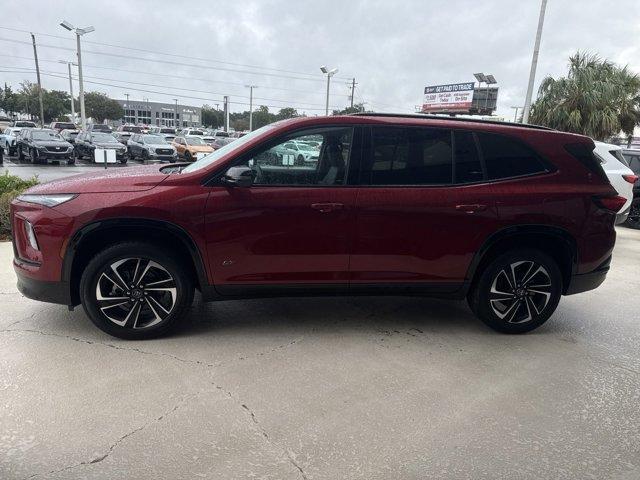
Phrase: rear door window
x=408 y=156
x=468 y=166
x=506 y=157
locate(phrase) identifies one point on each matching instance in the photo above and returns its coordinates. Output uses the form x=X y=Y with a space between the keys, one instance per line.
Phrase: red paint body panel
x=271 y=235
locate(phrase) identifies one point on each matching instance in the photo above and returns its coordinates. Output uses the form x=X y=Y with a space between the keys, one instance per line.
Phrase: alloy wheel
x=135 y=293
x=520 y=292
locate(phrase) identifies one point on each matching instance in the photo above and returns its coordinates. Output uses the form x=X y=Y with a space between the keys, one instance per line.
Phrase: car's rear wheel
x=633 y=220
x=135 y=291
x=517 y=291
x=187 y=156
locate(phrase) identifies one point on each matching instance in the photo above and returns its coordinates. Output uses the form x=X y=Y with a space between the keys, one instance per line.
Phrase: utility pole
x=534 y=63
x=83 y=117
x=73 y=103
x=225 y=107
x=251 y=87
x=353 y=89
x=35 y=55
x=176 y=113
x=515 y=115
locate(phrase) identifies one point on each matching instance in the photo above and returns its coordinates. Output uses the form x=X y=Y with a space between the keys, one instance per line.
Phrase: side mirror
x=238 y=177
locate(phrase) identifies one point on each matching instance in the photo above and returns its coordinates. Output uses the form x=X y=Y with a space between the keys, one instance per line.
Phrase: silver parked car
x=151 y=147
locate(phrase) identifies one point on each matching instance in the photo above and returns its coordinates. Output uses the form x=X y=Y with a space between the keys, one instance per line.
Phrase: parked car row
x=633 y=160
x=619 y=174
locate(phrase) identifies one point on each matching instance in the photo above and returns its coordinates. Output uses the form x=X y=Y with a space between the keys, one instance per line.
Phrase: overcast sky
x=392 y=48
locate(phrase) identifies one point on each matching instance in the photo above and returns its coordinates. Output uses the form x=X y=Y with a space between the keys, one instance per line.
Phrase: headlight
x=50 y=200
x=31 y=235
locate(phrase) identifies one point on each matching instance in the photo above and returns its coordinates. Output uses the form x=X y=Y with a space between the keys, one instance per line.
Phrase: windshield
x=64 y=125
x=212 y=158
x=103 y=138
x=167 y=130
x=154 y=139
x=195 y=141
x=46 y=135
x=195 y=132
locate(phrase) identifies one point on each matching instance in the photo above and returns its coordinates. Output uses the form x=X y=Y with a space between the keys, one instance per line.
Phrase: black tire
x=71 y=161
x=77 y=154
x=20 y=154
x=12 y=152
x=187 y=156
x=153 y=304
x=145 y=156
x=300 y=160
x=131 y=155
x=633 y=220
x=123 y=160
x=517 y=308
x=35 y=158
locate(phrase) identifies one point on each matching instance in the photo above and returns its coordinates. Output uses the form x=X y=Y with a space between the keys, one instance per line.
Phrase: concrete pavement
x=326 y=388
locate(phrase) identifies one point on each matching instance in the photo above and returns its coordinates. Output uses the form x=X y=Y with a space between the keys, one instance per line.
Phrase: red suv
x=509 y=216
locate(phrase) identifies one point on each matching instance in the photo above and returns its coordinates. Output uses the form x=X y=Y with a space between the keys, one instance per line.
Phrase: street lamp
x=73 y=108
x=329 y=73
x=79 y=32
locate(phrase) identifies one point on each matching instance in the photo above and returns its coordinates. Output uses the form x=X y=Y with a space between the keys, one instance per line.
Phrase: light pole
x=515 y=115
x=534 y=64
x=329 y=73
x=175 y=120
x=73 y=108
x=251 y=87
x=79 y=32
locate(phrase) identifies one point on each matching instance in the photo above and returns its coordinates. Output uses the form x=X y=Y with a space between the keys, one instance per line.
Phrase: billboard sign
x=447 y=98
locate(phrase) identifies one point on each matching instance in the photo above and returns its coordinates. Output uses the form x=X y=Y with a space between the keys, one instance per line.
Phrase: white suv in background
x=620 y=175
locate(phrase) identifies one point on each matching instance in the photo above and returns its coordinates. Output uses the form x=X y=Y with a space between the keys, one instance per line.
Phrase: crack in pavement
x=289 y=455
x=145 y=352
x=114 y=445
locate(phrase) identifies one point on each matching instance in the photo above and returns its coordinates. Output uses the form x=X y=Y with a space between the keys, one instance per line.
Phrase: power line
x=182 y=77
x=126 y=47
x=168 y=92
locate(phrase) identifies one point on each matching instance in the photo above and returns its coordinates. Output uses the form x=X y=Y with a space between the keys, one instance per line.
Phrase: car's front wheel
x=517 y=291
x=135 y=291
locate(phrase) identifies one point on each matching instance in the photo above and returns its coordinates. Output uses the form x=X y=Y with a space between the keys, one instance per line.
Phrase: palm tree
x=596 y=98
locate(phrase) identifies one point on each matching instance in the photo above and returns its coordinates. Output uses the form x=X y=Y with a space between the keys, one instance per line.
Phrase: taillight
x=630 y=178
x=614 y=203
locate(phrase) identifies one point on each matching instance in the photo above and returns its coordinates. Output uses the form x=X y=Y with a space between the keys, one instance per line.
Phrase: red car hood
x=118 y=179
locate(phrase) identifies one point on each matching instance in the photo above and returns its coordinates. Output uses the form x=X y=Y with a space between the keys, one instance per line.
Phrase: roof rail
x=450 y=118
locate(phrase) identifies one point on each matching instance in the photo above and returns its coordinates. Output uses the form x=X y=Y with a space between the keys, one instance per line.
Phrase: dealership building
x=160 y=114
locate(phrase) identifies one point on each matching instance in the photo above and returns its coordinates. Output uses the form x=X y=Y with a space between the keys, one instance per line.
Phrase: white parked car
x=8 y=140
x=620 y=175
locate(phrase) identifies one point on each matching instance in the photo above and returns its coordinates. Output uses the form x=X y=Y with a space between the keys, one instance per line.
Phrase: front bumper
x=588 y=281
x=51 y=292
x=46 y=155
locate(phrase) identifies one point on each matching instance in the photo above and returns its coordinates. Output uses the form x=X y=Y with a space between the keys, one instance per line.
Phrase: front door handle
x=471 y=208
x=327 y=207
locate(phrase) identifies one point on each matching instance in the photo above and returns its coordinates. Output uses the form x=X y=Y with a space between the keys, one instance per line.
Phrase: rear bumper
x=51 y=292
x=622 y=216
x=588 y=281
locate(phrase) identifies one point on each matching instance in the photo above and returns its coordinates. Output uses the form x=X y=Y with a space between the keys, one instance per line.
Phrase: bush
x=10 y=187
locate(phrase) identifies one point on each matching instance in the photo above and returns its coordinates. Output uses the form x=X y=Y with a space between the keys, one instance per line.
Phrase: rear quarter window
x=506 y=157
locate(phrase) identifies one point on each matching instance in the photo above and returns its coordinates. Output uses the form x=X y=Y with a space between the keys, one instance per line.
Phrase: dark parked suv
x=509 y=216
x=41 y=145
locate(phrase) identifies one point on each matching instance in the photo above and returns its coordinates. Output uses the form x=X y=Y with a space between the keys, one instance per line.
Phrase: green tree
x=262 y=117
x=100 y=107
x=9 y=100
x=55 y=104
x=596 y=98
x=287 y=112
x=357 y=108
x=211 y=117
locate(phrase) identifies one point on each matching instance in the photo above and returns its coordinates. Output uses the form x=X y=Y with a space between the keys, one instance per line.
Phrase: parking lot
x=370 y=388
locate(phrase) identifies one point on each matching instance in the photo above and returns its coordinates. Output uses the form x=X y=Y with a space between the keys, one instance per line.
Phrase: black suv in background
x=633 y=159
x=87 y=142
x=41 y=145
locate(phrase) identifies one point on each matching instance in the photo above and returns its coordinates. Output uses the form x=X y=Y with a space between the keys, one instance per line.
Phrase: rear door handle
x=327 y=207
x=471 y=208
